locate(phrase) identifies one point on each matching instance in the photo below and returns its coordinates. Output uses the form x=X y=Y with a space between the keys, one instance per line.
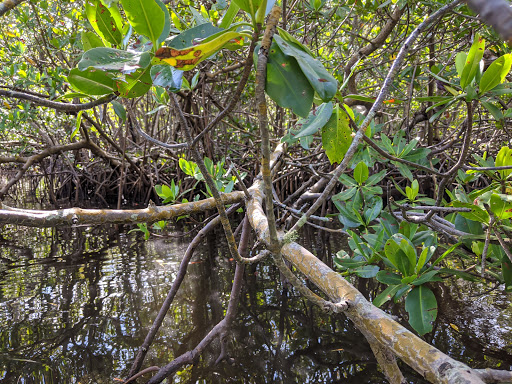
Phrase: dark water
x=76 y=303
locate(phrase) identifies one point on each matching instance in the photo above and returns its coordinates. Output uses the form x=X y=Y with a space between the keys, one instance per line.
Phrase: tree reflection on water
x=75 y=304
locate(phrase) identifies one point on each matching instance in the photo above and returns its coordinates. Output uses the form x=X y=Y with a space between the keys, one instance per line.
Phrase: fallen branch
x=79 y=216
x=428 y=361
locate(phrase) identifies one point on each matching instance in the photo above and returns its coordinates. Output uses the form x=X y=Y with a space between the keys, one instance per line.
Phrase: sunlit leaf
x=337 y=135
x=91 y=81
x=146 y=17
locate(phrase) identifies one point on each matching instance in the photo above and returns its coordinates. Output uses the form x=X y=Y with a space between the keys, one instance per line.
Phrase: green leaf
x=286 y=84
x=361 y=172
x=119 y=110
x=426 y=277
x=386 y=295
x=91 y=40
x=404 y=170
x=190 y=36
x=91 y=81
x=337 y=135
x=249 y=6
x=376 y=178
x=367 y=271
x=425 y=255
x=167 y=23
x=135 y=84
x=322 y=81
x=412 y=191
x=374 y=208
x=77 y=124
x=496 y=73
x=401 y=253
x=107 y=25
x=460 y=61
x=229 y=16
x=110 y=59
x=421 y=304
x=472 y=61
x=495 y=111
x=501 y=206
x=167 y=77
x=293 y=41
x=146 y=17
x=90 y=11
x=315 y=121
x=388 y=278
x=504 y=158
x=476 y=214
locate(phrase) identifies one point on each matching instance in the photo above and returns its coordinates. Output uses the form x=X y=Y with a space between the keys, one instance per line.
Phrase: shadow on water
x=75 y=304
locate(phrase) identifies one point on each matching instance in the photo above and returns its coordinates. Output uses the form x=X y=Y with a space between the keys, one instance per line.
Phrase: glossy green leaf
x=386 y=295
x=77 y=124
x=426 y=277
x=107 y=25
x=286 y=84
x=388 y=278
x=361 y=172
x=367 y=271
x=496 y=73
x=476 y=214
x=249 y=6
x=193 y=35
x=229 y=16
x=472 y=61
x=285 y=35
x=167 y=77
x=110 y=59
x=119 y=109
x=167 y=23
x=504 y=158
x=90 y=11
x=501 y=206
x=314 y=122
x=460 y=62
x=425 y=255
x=373 y=208
x=91 y=40
x=495 y=111
x=401 y=253
x=421 y=304
x=91 y=81
x=322 y=81
x=146 y=17
x=136 y=84
x=337 y=135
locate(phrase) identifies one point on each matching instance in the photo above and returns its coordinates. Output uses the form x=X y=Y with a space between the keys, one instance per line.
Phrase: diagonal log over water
x=427 y=360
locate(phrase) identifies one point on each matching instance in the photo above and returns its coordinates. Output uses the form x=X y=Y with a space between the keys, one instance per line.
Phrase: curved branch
x=496 y=13
x=78 y=216
x=63 y=107
x=7 y=5
x=434 y=365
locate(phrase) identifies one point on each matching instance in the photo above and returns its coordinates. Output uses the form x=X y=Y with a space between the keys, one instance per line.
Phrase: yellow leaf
x=454 y=327
x=7 y=105
x=187 y=58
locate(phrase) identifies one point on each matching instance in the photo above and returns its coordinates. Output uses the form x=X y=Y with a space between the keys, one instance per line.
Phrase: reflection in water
x=75 y=304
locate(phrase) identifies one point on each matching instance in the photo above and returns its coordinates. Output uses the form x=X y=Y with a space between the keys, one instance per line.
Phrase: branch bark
x=7 y=5
x=496 y=13
x=79 y=216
